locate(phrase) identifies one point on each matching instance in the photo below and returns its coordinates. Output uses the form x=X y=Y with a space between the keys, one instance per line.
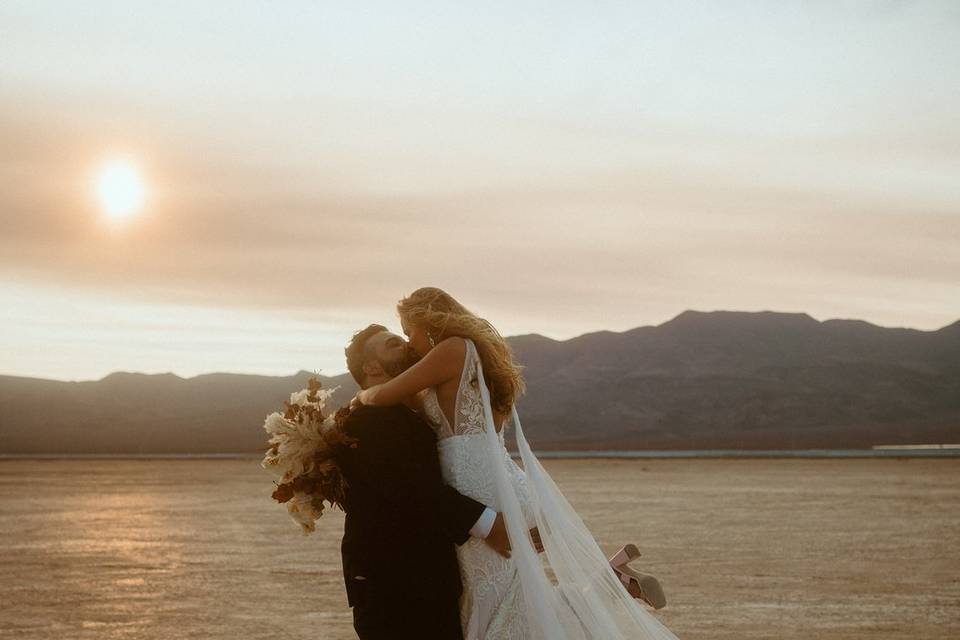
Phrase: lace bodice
x=468 y=409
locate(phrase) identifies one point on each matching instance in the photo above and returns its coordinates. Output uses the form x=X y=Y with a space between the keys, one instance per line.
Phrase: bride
x=466 y=385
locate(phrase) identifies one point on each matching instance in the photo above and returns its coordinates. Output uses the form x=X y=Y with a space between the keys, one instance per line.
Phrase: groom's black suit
x=399 y=561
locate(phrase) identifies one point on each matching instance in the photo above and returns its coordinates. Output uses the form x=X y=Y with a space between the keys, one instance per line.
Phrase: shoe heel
x=626 y=553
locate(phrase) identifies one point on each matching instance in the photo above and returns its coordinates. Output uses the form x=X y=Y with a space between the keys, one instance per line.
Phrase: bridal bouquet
x=303 y=442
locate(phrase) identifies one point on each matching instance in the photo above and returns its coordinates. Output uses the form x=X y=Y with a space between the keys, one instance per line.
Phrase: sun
x=120 y=189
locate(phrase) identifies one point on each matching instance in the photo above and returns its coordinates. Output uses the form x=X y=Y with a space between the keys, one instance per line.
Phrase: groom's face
x=391 y=352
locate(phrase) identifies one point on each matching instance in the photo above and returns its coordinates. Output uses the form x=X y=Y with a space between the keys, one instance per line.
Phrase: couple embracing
x=446 y=537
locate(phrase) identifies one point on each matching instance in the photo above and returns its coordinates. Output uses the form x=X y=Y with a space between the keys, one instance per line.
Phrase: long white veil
x=588 y=602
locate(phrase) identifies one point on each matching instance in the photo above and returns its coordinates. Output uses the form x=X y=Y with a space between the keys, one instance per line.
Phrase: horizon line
x=522 y=335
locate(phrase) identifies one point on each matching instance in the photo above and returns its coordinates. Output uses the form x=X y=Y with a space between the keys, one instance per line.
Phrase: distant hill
x=722 y=379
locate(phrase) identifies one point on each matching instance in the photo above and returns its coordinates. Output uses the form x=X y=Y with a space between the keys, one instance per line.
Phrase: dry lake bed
x=745 y=549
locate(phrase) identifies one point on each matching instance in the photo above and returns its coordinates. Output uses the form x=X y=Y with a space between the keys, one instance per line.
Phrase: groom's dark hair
x=356 y=351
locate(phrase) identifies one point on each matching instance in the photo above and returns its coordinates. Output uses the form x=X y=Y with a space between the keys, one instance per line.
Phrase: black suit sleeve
x=396 y=466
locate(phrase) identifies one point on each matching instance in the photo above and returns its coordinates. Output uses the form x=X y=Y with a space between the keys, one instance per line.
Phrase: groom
x=399 y=562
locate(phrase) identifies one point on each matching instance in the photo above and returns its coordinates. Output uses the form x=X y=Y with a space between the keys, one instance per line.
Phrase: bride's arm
x=442 y=363
x=415 y=402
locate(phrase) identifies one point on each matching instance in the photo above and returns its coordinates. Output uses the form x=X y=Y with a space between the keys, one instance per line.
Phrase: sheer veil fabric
x=588 y=601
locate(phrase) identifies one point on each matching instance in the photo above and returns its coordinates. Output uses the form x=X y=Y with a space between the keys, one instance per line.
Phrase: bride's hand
x=355 y=402
x=364 y=396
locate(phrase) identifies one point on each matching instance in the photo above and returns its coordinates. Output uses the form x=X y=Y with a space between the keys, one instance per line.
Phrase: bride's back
x=457 y=408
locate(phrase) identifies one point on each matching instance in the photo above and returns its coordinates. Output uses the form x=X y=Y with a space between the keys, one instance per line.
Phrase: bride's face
x=417 y=337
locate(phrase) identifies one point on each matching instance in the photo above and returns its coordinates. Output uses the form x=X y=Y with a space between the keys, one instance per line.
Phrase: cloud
x=555 y=181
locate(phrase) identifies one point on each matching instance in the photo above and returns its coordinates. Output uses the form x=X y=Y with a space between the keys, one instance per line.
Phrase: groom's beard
x=395 y=368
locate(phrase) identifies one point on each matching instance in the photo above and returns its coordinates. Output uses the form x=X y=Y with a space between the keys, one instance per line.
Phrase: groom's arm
x=386 y=459
x=461 y=512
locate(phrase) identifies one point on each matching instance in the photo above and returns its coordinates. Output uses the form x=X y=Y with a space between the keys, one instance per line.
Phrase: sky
x=559 y=167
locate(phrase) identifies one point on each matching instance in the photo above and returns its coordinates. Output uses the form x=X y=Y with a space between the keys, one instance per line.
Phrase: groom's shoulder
x=365 y=418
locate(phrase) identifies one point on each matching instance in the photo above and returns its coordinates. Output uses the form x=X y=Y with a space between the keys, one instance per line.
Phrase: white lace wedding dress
x=491 y=607
x=513 y=599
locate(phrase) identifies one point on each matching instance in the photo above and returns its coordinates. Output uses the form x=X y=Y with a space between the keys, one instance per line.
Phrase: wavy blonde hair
x=442 y=316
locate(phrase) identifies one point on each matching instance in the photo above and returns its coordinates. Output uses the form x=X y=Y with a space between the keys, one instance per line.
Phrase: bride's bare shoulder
x=454 y=348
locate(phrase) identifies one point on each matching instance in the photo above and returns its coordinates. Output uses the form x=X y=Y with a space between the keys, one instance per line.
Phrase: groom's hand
x=535 y=538
x=497 y=538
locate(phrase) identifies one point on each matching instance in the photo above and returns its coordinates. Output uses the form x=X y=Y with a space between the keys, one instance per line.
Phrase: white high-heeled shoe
x=639 y=585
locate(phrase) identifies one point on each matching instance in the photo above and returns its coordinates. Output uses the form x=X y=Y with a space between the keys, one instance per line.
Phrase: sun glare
x=120 y=189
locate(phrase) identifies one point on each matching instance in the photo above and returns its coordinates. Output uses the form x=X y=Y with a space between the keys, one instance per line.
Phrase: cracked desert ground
x=745 y=549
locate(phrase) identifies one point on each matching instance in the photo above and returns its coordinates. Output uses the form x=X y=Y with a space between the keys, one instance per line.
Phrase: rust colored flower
x=341 y=416
x=283 y=493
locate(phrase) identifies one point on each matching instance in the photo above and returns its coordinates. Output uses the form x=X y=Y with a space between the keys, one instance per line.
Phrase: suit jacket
x=402 y=521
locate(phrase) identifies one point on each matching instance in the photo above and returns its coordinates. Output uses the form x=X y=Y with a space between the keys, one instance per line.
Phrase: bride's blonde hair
x=437 y=312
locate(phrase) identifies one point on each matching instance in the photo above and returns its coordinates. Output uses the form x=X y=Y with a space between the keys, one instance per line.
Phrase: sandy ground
x=745 y=549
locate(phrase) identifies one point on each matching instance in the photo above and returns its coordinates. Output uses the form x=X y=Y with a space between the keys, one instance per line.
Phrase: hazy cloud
x=596 y=168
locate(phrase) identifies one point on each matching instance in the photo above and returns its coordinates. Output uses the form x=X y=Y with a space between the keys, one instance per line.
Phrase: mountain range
x=702 y=380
